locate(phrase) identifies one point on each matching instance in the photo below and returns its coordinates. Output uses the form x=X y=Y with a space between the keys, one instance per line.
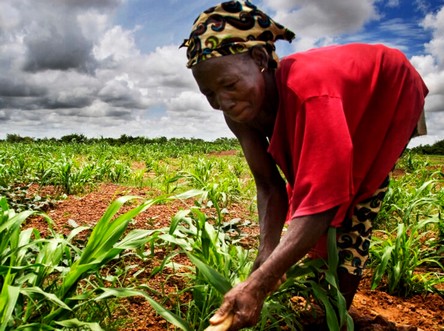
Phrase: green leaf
x=134 y=239
x=188 y=194
x=35 y=326
x=333 y=257
x=179 y=216
x=319 y=293
x=8 y=299
x=218 y=281
x=162 y=311
x=75 y=323
x=31 y=291
x=381 y=268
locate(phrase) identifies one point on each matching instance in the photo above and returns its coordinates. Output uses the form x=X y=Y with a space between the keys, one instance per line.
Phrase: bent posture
x=334 y=120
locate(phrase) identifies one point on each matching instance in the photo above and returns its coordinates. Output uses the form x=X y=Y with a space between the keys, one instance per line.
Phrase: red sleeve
x=323 y=158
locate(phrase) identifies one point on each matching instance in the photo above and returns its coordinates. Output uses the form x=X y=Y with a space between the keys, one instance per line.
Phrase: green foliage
x=19 y=199
x=317 y=283
x=402 y=258
x=14 y=138
x=417 y=191
x=435 y=149
x=218 y=263
x=45 y=282
x=75 y=164
x=407 y=250
x=180 y=146
x=221 y=263
x=74 y=138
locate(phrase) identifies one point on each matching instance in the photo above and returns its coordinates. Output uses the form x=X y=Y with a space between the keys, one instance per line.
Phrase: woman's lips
x=239 y=115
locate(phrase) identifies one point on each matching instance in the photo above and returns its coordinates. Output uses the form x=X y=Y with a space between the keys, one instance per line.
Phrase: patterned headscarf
x=230 y=28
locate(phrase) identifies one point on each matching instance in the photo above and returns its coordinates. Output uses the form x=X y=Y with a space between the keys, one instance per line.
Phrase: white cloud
x=435 y=22
x=116 y=43
x=93 y=23
x=431 y=67
x=9 y=16
x=316 y=22
x=392 y=3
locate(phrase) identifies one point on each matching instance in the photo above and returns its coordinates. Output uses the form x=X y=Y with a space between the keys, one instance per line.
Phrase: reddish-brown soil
x=371 y=310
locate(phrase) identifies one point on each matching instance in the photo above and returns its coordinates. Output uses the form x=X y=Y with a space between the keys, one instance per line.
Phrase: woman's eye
x=230 y=86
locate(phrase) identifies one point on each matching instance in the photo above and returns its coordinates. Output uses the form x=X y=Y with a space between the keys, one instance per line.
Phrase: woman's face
x=233 y=84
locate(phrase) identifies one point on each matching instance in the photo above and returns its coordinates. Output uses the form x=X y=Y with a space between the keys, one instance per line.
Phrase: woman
x=334 y=120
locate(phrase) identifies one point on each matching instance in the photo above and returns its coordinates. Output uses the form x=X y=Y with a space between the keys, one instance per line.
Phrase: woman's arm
x=272 y=197
x=244 y=302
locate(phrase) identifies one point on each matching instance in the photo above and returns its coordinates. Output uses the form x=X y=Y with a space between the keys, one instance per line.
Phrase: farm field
x=189 y=235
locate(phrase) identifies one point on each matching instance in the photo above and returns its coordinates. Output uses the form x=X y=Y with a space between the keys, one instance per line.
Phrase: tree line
x=123 y=139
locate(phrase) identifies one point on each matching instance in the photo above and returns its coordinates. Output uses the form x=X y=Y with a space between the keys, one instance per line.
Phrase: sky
x=105 y=68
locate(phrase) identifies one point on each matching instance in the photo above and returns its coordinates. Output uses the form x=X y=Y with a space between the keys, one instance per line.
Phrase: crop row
x=77 y=168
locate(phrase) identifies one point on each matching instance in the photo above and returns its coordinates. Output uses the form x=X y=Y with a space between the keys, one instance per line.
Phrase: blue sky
x=401 y=25
x=113 y=67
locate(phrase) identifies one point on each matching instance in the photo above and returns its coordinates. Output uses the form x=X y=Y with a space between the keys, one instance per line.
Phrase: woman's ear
x=260 y=56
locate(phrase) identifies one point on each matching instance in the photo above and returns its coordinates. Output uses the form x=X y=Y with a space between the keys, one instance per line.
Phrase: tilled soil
x=371 y=310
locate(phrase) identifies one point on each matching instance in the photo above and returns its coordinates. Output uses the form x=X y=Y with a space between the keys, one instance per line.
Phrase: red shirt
x=346 y=114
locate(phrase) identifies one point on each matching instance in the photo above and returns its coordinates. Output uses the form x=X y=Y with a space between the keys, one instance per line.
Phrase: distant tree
x=160 y=140
x=74 y=138
x=15 y=138
x=125 y=139
x=435 y=149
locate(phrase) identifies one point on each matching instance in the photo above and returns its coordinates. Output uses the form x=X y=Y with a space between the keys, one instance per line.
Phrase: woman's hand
x=243 y=304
